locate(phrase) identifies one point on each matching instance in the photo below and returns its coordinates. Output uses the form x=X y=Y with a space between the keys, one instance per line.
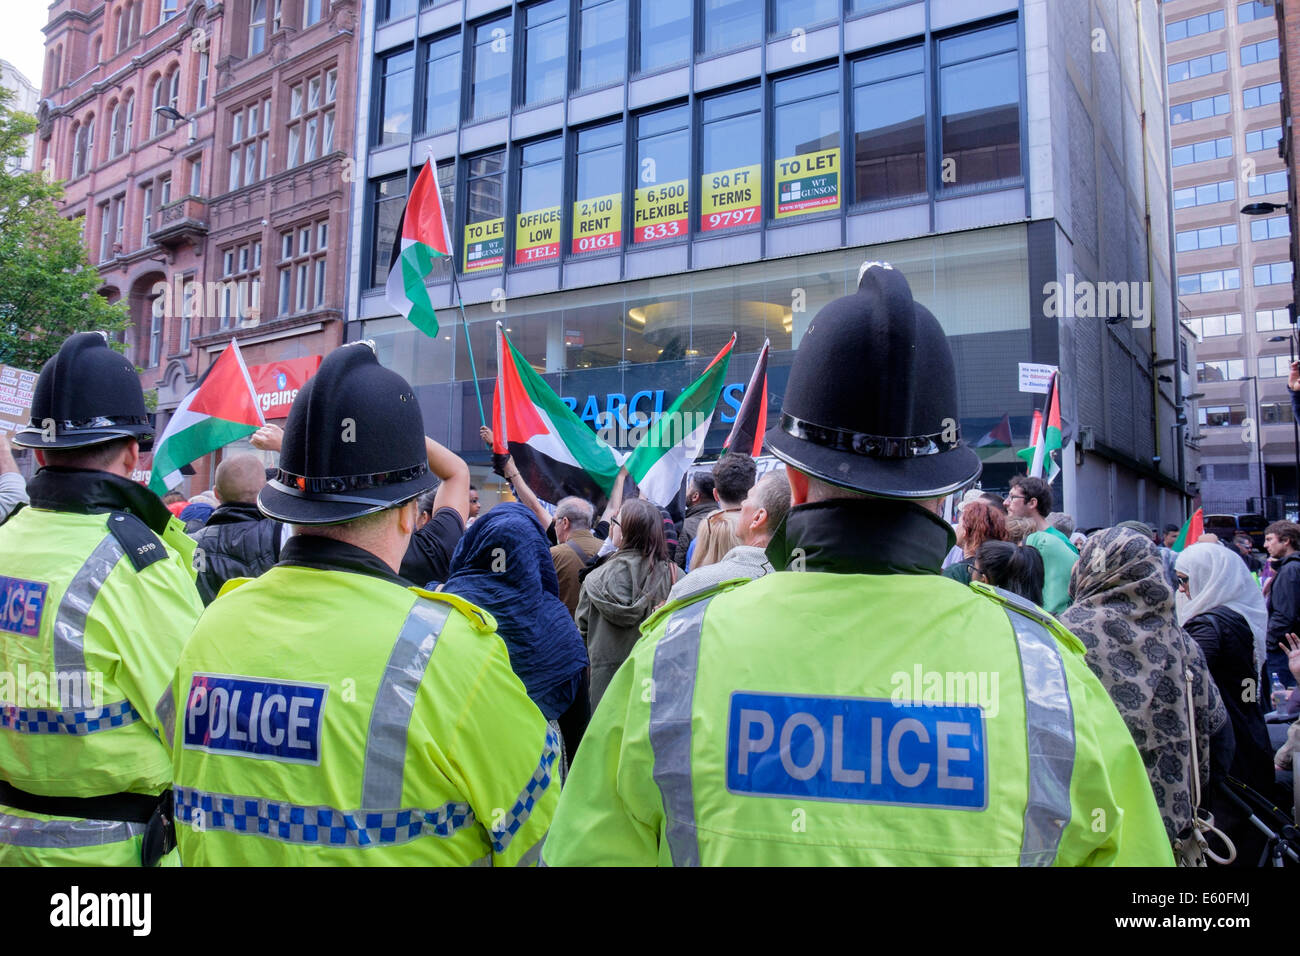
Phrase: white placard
x=1036 y=378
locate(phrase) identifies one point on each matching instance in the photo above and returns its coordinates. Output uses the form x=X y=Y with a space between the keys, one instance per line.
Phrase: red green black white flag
x=422 y=237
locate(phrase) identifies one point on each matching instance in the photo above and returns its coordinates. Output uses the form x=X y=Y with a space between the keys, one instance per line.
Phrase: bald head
x=239 y=479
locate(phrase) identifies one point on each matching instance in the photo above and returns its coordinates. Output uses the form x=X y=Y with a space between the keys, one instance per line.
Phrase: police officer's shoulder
x=661 y=615
x=231 y=584
x=478 y=619
x=1015 y=604
x=137 y=540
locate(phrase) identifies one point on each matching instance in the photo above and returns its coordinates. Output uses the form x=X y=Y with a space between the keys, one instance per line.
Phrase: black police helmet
x=87 y=394
x=353 y=444
x=871 y=404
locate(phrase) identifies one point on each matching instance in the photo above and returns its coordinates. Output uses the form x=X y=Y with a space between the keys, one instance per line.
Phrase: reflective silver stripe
x=533 y=855
x=165 y=710
x=316 y=825
x=381 y=781
x=677 y=657
x=70 y=622
x=483 y=861
x=28 y=831
x=1049 y=730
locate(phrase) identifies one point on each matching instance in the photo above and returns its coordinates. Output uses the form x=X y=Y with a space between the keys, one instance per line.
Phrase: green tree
x=48 y=288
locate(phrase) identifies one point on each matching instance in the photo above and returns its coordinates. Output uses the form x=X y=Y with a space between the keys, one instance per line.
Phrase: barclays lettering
x=645 y=407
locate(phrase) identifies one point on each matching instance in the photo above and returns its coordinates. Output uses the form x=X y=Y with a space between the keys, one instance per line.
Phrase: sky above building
x=21 y=41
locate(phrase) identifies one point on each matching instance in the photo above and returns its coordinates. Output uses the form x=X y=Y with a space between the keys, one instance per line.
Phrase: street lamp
x=1264 y=208
x=1295 y=425
x=1259 y=439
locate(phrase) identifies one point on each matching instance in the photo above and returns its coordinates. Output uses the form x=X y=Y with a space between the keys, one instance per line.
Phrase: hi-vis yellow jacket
x=856 y=719
x=333 y=717
x=95 y=610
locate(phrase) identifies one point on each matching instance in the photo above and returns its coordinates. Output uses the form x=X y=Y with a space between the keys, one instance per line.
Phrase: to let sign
x=16 y=387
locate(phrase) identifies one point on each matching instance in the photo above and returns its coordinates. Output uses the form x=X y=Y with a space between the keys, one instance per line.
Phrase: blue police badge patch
x=255 y=717
x=857 y=750
x=21 y=605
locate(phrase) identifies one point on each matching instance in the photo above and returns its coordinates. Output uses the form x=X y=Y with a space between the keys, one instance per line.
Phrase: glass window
x=485 y=241
x=1252 y=53
x=1198 y=67
x=602 y=43
x=396 y=81
x=168 y=10
x=1205 y=194
x=489 y=94
x=806 y=143
x=1273 y=366
x=730 y=24
x=789 y=14
x=1219 y=148
x=979 y=82
x=257 y=28
x=1253 y=10
x=889 y=126
x=661 y=207
x=1216 y=281
x=541 y=187
x=312 y=11
x=1272 y=320
x=1194 y=26
x=1200 y=109
x=665 y=33
x=1262 y=139
x=1273 y=228
x=387 y=198
x=1254 y=96
x=545 y=51
x=397 y=9
x=1274 y=182
x=1274 y=273
x=731 y=151
x=442 y=84
x=598 y=190
x=1208 y=238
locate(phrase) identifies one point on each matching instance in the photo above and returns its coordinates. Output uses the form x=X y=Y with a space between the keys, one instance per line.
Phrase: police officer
x=97 y=598
x=857 y=707
x=325 y=713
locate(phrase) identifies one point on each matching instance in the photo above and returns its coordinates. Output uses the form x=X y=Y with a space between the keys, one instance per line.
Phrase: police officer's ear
x=408 y=516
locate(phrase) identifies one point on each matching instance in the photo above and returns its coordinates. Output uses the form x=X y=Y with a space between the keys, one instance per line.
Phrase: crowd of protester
x=1196 y=648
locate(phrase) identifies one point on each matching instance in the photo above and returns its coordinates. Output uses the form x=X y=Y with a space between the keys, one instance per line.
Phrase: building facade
x=1234 y=269
x=202 y=142
x=26 y=98
x=629 y=182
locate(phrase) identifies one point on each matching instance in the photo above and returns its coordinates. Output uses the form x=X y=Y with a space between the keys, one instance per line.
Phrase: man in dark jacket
x=1282 y=542
x=699 y=505
x=238 y=541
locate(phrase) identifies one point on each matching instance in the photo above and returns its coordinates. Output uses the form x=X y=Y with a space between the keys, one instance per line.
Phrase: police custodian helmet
x=871 y=403
x=87 y=394
x=353 y=444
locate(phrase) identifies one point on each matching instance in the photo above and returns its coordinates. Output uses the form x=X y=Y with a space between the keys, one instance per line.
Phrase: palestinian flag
x=751 y=421
x=1191 y=532
x=221 y=409
x=554 y=450
x=422 y=236
x=999 y=434
x=1046 y=437
x=670 y=446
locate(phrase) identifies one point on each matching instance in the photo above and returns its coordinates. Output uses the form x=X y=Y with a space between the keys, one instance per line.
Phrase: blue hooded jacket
x=503 y=564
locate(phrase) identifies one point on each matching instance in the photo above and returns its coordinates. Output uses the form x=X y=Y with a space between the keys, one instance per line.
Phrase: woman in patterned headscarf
x=1123 y=611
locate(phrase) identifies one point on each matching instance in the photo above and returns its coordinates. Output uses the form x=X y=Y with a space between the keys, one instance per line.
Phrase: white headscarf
x=1217 y=577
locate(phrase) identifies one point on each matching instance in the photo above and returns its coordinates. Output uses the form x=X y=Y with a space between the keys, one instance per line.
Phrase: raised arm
x=510 y=472
x=451 y=468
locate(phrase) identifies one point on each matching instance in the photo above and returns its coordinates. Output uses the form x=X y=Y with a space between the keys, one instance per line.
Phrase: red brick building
x=204 y=144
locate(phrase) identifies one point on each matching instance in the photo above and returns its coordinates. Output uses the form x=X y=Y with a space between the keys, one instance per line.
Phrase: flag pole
x=460 y=303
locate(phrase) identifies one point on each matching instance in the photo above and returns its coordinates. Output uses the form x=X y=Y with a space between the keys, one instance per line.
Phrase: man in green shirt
x=1032 y=498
